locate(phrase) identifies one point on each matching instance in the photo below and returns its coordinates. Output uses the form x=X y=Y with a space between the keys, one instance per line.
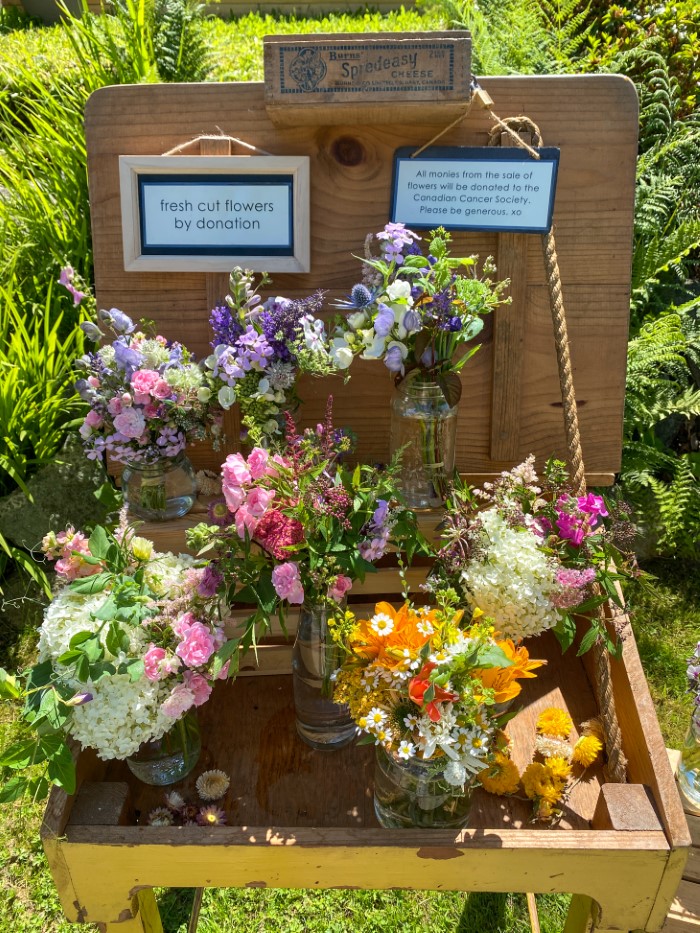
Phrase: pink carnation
x=143 y=381
x=197 y=645
x=180 y=700
x=199 y=685
x=130 y=423
x=287 y=582
x=341 y=586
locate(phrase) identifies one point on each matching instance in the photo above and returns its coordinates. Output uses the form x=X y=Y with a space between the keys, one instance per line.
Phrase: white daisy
x=406 y=750
x=382 y=624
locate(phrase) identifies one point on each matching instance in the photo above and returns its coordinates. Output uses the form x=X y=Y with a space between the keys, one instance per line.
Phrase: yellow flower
x=503 y=680
x=555 y=721
x=501 y=777
x=586 y=750
x=539 y=783
x=141 y=548
x=559 y=767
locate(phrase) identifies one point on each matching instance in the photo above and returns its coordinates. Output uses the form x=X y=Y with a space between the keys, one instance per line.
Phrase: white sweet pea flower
x=357 y=320
x=400 y=291
x=341 y=354
x=375 y=345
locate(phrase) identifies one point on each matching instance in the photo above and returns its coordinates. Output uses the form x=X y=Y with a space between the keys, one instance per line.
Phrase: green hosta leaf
x=82 y=669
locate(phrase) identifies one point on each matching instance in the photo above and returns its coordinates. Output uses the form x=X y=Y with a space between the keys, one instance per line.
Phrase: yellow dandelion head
x=586 y=750
x=556 y=722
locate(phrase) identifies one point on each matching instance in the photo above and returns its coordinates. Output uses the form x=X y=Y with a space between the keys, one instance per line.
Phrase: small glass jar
x=689 y=768
x=171 y=757
x=159 y=491
x=424 y=424
x=413 y=792
x=320 y=722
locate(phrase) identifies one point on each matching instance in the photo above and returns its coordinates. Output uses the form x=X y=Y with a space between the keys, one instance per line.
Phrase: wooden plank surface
x=593 y=119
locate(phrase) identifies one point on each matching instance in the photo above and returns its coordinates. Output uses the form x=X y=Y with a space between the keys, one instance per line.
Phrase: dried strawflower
x=501 y=777
x=586 y=750
x=211 y=816
x=174 y=801
x=161 y=816
x=212 y=785
x=556 y=722
x=549 y=747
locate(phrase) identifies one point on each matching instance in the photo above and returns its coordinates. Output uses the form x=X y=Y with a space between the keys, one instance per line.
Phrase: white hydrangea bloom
x=67 y=614
x=515 y=582
x=121 y=716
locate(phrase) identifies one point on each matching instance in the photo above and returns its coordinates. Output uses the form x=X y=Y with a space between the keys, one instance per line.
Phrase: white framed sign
x=210 y=213
x=469 y=188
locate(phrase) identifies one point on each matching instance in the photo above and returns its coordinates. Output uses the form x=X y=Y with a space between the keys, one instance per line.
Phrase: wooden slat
x=593 y=119
x=684 y=915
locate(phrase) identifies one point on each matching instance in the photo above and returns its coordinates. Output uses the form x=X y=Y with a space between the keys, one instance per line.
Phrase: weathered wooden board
x=593 y=119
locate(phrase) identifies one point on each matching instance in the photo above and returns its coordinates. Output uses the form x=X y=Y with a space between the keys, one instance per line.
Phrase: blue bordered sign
x=209 y=213
x=486 y=188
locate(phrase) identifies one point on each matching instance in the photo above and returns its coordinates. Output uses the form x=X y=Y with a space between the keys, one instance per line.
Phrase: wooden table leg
x=582 y=917
x=147 y=920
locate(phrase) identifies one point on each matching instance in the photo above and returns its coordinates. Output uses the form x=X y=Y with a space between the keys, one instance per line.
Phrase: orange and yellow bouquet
x=423 y=683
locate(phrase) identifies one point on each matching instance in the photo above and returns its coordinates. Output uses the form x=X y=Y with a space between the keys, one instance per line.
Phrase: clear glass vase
x=414 y=793
x=159 y=491
x=424 y=424
x=170 y=758
x=689 y=768
x=321 y=723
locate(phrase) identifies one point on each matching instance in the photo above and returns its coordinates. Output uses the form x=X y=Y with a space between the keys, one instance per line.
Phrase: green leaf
x=55 y=713
x=61 y=769
x=99 y=542
x=9 y=688
x=366 y=740
x=565 y=632
x=588 y=641
x=107 y=610
x=94 y=584
x=493 y=656
x=109 y=497
x=14 y=789
x=135 y=670
x=82 y=669
x=117 y=640
x=21 y=754
x=225 y=652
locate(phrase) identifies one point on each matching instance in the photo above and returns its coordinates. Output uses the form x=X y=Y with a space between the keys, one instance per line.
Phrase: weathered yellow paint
x=623 y=881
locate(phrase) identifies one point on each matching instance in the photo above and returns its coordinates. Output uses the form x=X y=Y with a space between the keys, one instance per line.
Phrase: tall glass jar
x=415 y=793
x=159 y=491
x=424 y=424
x=171 y=757
x=689 y=768
x=321 y=723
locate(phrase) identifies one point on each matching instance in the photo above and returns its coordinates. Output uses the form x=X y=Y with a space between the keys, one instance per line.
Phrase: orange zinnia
x=503 y=680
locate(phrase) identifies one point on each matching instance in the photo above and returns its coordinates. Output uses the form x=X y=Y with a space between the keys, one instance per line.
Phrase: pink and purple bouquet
x=531 y=555
x=148 y=397
x=259 y=350
x=131 y=641
x=414 y=311
x=301 y=526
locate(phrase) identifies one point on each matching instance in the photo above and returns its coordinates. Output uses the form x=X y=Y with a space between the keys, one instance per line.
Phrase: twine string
x=208 y=136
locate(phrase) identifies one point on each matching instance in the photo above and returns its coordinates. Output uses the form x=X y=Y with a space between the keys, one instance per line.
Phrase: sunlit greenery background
x=47 y=74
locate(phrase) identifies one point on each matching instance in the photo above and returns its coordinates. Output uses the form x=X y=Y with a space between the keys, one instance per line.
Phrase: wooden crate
x=305 y=819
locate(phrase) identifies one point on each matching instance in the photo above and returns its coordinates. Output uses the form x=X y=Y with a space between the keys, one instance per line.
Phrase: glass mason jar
x=159 y=491
x=321 y=723
x=171 y=757
x=424 y=424
x=689 y=768
x=414 y=793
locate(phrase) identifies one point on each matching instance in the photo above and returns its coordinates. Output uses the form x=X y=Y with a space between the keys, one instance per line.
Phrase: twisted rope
x=616 y=770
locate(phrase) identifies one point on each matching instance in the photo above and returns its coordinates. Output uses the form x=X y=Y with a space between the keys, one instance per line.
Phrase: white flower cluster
x=121 y=716
x=67 y=614
x=514 y=582
x=166 y=572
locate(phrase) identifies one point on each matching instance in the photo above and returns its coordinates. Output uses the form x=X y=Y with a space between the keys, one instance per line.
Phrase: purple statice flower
x=279 y=320
x=395 y=237
x=225 y=326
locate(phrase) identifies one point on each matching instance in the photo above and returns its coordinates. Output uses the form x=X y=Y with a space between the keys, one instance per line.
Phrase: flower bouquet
x=129 y=645
x=301 y=528
x=425 y=688
x=531 y=555
x=415 y=312
x=148 y=399
x=260 y=348
x=689 y=767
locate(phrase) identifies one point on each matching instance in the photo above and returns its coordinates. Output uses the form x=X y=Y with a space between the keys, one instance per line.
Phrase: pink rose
x=180 y=700
x=341 y=586
x=143 y=381
x=151 y=662
x=114 y=406
x=197 y=645
x=130 y=423
x=93 y=419
x=181 y=625
x=150 y=410
x=259 y=501
x=257 y=462
x=287 y=582
x=161 y=389
x=234 y=496
x=235 y=470
x=199 y=685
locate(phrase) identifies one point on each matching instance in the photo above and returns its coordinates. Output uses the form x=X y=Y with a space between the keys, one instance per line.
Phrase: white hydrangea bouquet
x=131 y=641
x=531 y=554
